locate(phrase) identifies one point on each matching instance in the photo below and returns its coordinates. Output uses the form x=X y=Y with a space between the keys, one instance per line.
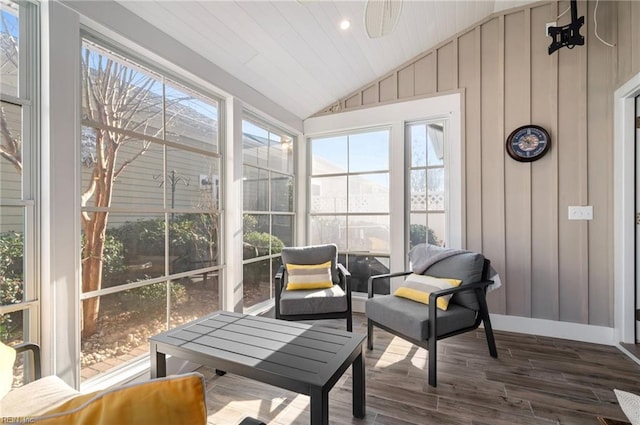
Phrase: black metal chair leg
x=369 y=334
x=349 y=323
x=488 y=331
x=432 y=361
x=251 y=421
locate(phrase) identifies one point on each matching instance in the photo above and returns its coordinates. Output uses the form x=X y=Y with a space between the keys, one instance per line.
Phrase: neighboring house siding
x=516 y=213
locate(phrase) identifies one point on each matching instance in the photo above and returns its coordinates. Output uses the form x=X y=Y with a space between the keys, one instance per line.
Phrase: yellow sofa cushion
x=175 y=400
x=309 y=276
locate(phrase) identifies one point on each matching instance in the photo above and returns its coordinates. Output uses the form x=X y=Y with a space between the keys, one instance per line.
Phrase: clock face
x=528 y=143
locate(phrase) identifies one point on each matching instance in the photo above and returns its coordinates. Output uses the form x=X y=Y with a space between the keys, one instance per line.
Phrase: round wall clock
x=528 y=143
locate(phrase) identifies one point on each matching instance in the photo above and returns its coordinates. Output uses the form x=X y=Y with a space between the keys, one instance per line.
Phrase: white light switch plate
x=546 y=29
x=581 y=212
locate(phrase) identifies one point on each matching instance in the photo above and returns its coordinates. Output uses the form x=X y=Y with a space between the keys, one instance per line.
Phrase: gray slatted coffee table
x=302 y=358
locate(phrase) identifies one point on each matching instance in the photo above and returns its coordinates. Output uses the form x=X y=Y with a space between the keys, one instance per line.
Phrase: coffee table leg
x=319 y=406
x=359 y=397
x=158 y=362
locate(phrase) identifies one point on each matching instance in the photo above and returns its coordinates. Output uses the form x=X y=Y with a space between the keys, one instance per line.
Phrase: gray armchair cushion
x=314 y=254
x=412 y=319
x=468 y=268
x=313 y=301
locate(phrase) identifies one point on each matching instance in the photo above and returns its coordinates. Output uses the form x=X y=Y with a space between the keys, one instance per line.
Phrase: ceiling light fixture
x=345 y=24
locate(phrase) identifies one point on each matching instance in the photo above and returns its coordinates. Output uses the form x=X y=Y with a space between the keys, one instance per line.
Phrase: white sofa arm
x=37 y=397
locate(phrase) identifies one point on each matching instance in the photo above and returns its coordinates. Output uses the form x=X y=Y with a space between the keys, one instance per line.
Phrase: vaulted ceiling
x=295 y=53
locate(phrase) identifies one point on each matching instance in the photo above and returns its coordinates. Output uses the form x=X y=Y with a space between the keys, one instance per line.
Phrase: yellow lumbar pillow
x=309 y=276
x=418 y=288
x=7 y=358
x=175 y=400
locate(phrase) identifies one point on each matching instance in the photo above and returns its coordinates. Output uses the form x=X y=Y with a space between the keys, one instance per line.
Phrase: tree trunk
x=95 y=231
x=95 y=228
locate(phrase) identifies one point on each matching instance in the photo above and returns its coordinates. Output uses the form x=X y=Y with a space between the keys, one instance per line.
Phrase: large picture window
x=19 y=298
x=349 y=201
x=268 y=199
x=150 y=202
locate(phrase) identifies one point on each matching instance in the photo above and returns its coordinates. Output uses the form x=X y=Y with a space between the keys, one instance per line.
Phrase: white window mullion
x=397 y=257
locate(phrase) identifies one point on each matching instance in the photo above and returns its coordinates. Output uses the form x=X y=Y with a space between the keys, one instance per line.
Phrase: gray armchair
x=310 y=304
x=423 y=325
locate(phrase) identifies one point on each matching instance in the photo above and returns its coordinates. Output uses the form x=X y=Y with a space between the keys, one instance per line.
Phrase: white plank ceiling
x=294 y=52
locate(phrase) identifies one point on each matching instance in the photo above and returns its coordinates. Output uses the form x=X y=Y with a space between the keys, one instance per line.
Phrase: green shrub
x=11 y=267
x=249 y=223
x=113 y=257
x=193 y=239
x=141 y=238
x=418 y=235
x=11 y=255
x=152 y=297
x=11 y=280
x=261 y=241
x=11 y=291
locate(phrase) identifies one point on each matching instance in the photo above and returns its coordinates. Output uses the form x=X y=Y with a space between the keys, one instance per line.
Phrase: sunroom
x=156 y=157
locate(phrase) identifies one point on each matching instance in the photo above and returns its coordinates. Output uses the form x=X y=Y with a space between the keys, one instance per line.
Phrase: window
x=268 y=187
x=150 y=202
x=381 y=239
x=349 y=201
x=426 y=188
x=19 y=305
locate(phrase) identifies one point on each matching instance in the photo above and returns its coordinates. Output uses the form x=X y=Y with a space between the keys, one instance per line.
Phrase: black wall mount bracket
x=567 y=35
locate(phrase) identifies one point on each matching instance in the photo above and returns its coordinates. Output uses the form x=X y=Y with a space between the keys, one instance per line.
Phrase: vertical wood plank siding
x=545 y=214
x=516 y=213
x=601 y=72
x=571 y=145
x=635 y=36
x=517 y=182
x=447 y=64
x=469 y=77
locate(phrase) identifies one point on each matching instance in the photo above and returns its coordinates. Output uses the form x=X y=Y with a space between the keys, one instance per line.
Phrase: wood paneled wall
x=517 y=213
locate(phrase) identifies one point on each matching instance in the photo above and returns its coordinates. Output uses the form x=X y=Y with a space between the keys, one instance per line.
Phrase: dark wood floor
x=534 y=380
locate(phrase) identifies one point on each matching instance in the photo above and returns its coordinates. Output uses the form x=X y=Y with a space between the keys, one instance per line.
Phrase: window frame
x=269 y=212
x=135 y=59
x=409 y=168
x=348 y=255
x=396 y=115
x=28 y=99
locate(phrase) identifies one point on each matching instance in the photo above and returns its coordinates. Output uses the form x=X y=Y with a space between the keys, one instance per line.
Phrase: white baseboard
x=554 y=329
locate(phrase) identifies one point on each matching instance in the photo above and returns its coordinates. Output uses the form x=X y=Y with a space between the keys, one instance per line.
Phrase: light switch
x=546 y=29
x=581 y=212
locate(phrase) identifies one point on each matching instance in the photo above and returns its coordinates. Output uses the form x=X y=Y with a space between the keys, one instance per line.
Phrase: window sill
x=135 y=370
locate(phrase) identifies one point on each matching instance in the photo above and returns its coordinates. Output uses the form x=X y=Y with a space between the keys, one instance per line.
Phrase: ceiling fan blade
x=381 y=17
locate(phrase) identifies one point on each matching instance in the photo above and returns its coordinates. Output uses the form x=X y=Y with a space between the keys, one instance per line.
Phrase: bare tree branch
x=10 y=147
x=11 y=48
x=126 y=163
